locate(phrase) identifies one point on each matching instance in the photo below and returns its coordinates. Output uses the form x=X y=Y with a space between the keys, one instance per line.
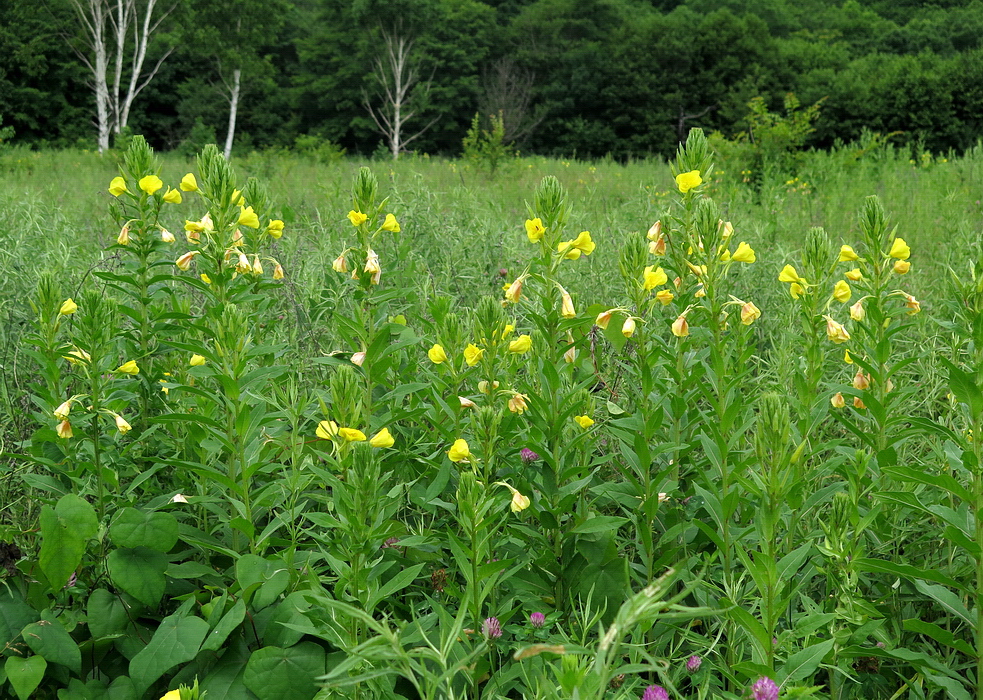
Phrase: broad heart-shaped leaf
x=64 y=532
x=25 y=674
x=49 y=638
x=14 y=615
x=273 y=673
x=176 y=641
x=133 y=528
x=106 y=614
x=270 y=577
x=224 y=682
x=139 y=572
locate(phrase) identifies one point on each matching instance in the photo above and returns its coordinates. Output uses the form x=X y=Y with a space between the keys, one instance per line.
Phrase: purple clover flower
x=693 y=663
x=537 y=619
x=528 y=455
x=655 y=692
x=491 y=628
x=765 y=689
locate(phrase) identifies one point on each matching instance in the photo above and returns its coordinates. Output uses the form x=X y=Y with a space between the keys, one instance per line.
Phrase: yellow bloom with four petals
x=351 y=434
x=521 y=344
x=172 y=196
x=687 y=181
x=535 y=229
x=150 y=184
x=117 y=186
x=129 y=367
x=473 y=354
x=653 y=277
x=437 y=354
x=390 y=224
x=744 y=253
x=900 y=249
x=842 y=292
x=247 y=217
x=382 y=439
x=584 y=421
x=68 y=307
x=459 y=451
x=847 y=254
x=189 y=183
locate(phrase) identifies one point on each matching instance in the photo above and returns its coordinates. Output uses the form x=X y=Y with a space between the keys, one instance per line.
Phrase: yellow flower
x=278 y=272
x=357 y=218
x=857 y=311
x=858 y=403
x=835 y=331
x=238 y=199
x=129 y=367
x=172 y=694
x=534 y=229
x=64 y=430
x=750 y=313
x=854 y=275
x=744 y=253
x=847 y=254
x=326 y=430
x=655 y=231
x=351 y=434
x=243 y=266
x=665 y=296
x=459 y=451
x=121 y=425
x=184 y=262
x=197 y=360
x=257 y=266
x=628 y=327
x=725 y=255
x=687 y=181
x=519 y=502
x=658 y=246
x=698 y=270
x=837 y=400
x=205 y=278
x=247 y=217
x=513 y=292
x=521 y=344
x=275 y=228
x=484 y=388
x=117 y=186
x=437 y=354
x=700 y=291
x=466 y=402
x=846 y=356
x=680 y=327
x=900 y=249
x=795 y=289
x=189 y=183
x=603 y=319
x=124 y=235
x=911 y=303
x=61 y=413
x=68 y=307
x=77 y=356
x=652 y=277
x=842 y=292
x=166 y=236
x=788 y=274
x=473 y=354
x=390 y=224
x=861 y=381
x=584 y=243
x=726 y=230
x=340 y=264
x=172 y=196
x=373 y=266
x=902 y=266
x=566 y=305
x=382 y=439
x=358 y=358
x=517 y=404
x=584 y=421
x=150 y=184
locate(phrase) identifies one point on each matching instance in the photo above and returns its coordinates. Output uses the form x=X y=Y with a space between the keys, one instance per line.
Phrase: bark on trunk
x=233 y=109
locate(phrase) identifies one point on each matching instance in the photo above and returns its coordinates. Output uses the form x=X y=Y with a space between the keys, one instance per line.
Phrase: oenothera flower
x=373 y=266
x=351 y=434
x=788 y=274
x=665 y=296
x=658 y=246
x=77 y=355
x=247 y=217
x=837 y=400
x=184 y=262
x=238 y=199
x=340 y=264
x=582 y=243
x=64 y=430
x=121 y=425
x=854 y=275
x=566 y=304
x=382 y=439
x=390 y=224
x=517 y=403
x=275 y=228
x=858 y=403
x=358 y=358
x=744 y=253
x=655 y=231
x=521 y=344
x=117 y=186
x=653 y=277
x=473 y=354
x=534 y=229
x=911 y=303
x=242 y=265
x=257 y=266
x=172 y=196
x=847 y=254
x=189 y=183
x=861 y=381
x=628 y=327
x=466 y=402
x=900 y=249
x=857 y=312
x=326 y=430
x=513 y=292
x=485 y=388
x=172 y=694
x=749 y=313
x=584 y=421
x=902 y=266
x=846 y=356
x=197 y=360
x=726 y=229
x=150 y=184
x=61 y=413
x=603 y=319
x=124 y=235
x=842 y=292
x=166 y=236
x=835 y=331
x=437 y=354
x=687 y=181
x=519 y=502
x=357 y=218
x=680 y=327
x=278 y=271
x=128 y=367
x=796 y=290
x=68 y=307
x=459 y=451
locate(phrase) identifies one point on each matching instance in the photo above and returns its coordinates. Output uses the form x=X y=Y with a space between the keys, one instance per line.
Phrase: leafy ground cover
x=281 y=429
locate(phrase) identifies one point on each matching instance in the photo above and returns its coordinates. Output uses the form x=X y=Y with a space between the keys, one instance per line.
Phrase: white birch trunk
x=233 y=109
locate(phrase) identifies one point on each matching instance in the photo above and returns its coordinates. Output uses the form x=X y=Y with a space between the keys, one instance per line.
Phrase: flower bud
x=68 y=307
x=166 y=236
x=121 y=425
x=628 y=327
x=124 y=235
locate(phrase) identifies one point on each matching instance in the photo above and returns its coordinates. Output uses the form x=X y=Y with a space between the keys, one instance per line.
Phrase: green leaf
x=25 y=674
x=106 y=614
x=64 y=532
x=964 y=389
x=49 y=638
x=273 y=673
x=176 y=641
x=133 y=528
x=947 y=599
x=232 y=619
x=804 y=663
x=225 y=682
x=15 y=614
x=601 y=523
x=943 y=636
x=139 y=572
x=906 y=571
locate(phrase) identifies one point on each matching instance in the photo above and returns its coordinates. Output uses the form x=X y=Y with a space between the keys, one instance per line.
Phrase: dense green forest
x=572 y=78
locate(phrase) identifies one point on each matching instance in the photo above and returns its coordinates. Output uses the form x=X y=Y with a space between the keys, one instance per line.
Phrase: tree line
x=573 y=78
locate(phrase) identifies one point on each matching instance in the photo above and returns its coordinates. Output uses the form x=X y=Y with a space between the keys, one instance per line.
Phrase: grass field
x=682 y=478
